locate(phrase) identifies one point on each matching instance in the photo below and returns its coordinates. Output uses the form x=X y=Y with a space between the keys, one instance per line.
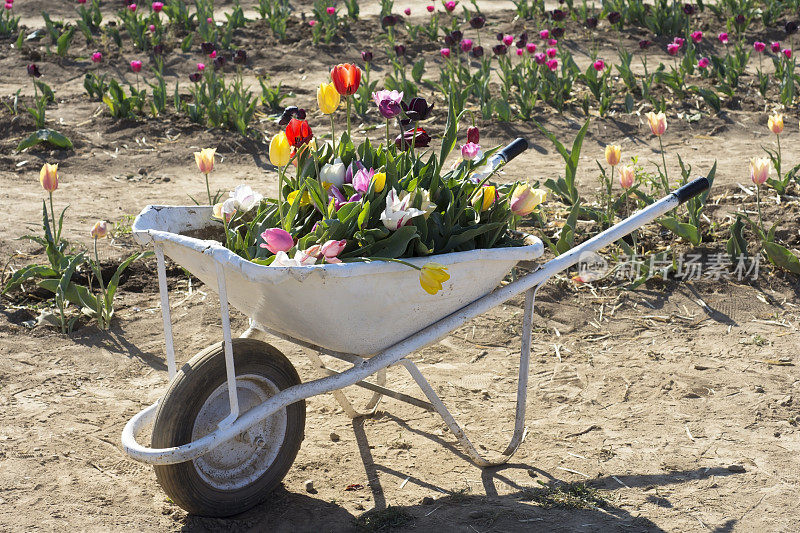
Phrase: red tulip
x=346 y=78
x=298 y=132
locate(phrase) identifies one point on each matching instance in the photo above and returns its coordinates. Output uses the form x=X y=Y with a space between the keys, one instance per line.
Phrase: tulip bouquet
x=388 y=201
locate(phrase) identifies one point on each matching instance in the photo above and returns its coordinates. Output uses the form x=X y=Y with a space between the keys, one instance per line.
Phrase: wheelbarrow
x=231 y=422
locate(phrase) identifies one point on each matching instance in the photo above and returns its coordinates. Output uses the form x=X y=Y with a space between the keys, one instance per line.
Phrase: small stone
x=142 y=171
x=777 y=434
x=737 y=468
x=335 y=436
x=786 y=400
x=532 y=473
x=427 y=500
x=759 y=390
x=309 y=486
x=359 y=506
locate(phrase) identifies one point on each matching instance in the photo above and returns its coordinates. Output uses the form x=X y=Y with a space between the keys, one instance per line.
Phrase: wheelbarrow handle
x=512 y=150
x=692 y=189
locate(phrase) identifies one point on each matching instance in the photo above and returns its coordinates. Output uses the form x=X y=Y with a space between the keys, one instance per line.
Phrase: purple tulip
x=388 y=103
x=362 y=179
x=418 y=136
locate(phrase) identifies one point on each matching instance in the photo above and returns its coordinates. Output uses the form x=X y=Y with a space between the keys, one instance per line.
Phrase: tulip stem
x=103 y=318
x=281 y=171
x=778 y=161
x=758 y=204
x=609 y=186
x=333 y=136
x=348 y=120
x=387 y=134
x=208 y=190
x=56 y=236
x=664 y=176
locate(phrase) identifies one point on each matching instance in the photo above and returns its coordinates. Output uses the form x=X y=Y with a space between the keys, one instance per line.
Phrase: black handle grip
x=511 y=151
x=692 y=189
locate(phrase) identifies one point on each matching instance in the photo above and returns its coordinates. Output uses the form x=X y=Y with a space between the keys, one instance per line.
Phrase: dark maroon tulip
x=240 y=57
x=790 y=27
x=477 y=22
x=614 y=17
x=500 y=50
x=522 y=40
x=557 y=32
x=207 y=48
x=558 y=15
x=739 y=20
x=194 y=77
x=591 y=22
x=33 y=71
x=449 y=41
x=158 y=50
x=457 y=35
x=388 y=21
x=366 y=55
x=477 y=51
x=400 y=50
x=417 y=109
x=473 y=135
x=288 y=114
x=418 y=136
x=688 y=9
x=219 y=61
x=644 y=44
x=500 y=36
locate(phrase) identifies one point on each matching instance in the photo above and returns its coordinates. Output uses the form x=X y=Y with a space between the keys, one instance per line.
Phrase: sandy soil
x=676 y=404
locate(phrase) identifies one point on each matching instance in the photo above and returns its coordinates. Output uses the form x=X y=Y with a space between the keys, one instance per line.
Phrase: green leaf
x=469 y=234
x=736 y=245
x=681 y=229
x=392 y=247
x=26 y=273
x=74 y=293
x=46 y=135
x=111 y=289
x=782 y=257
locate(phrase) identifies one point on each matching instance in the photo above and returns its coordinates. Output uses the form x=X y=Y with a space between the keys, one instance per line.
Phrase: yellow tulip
x=524 y=199
x=613 y=154
x=304 y=200
x=431 y=277
x=99 y=230
x=48 y=177
x=379 y=179
x=328 y=98
x=484 y=198
x=279 y=150
x=658 y=123
x=626 y=176
x=759 y=170
x=205 y=159
x=775 y=123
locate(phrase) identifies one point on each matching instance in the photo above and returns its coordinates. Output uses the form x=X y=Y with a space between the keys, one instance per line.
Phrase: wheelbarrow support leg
x=233 y=395
x=347 y=406
x=522 y=395
x=165 y=313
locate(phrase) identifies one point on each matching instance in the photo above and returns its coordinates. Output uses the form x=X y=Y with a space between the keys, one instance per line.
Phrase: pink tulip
x=544 y=34
x=445 y=52
x=531 y=48
x=551 y=52
x=787 y=53
x=540 y=58
x=152 y=28
x=552 y=42
x=277 y=240
x=312 y=22
x=97 y=57
x=599 y=65
x=213 y=54
x=331 y=10
x=136 y=65
x=775 y=47
x=158 y=6
x=430 y=9
x=466 y=45
x=704 y=62
x=520 y=51
x=450 y=6
x=407 y=11
x=132 y=8
x=9 y=6
x=697 y=36
x=331 y=249
x=552 y=64
x=210 y=20
x=470 y=151
x=508 y=39
x=759 y=47
x=673 y=49
x=79 y=1
x=201 y=67
x=723 y=37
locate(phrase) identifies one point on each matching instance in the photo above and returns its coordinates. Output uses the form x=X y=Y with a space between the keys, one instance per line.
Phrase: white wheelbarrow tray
x=372 y=315
x=357 y=308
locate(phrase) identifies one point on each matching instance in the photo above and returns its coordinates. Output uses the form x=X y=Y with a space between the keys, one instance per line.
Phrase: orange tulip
x=346 y=78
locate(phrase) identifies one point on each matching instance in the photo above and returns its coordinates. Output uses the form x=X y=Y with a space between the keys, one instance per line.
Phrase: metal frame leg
x=165 y=311
x=341 y=399
x=522 y=395
x=230 y=370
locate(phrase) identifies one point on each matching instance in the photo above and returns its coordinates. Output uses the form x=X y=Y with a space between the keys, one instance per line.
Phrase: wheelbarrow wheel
x=239 y=473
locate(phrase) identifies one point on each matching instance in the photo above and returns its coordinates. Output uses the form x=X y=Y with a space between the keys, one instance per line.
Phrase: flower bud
x=48 y=177
x=99 y=230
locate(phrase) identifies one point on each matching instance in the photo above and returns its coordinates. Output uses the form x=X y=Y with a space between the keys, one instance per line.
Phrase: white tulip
x=242 y=198
x=301 y=258
x=398 y=213
x=333 y=173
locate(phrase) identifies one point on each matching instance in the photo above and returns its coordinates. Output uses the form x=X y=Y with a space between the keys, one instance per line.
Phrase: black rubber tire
x=177 y=412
